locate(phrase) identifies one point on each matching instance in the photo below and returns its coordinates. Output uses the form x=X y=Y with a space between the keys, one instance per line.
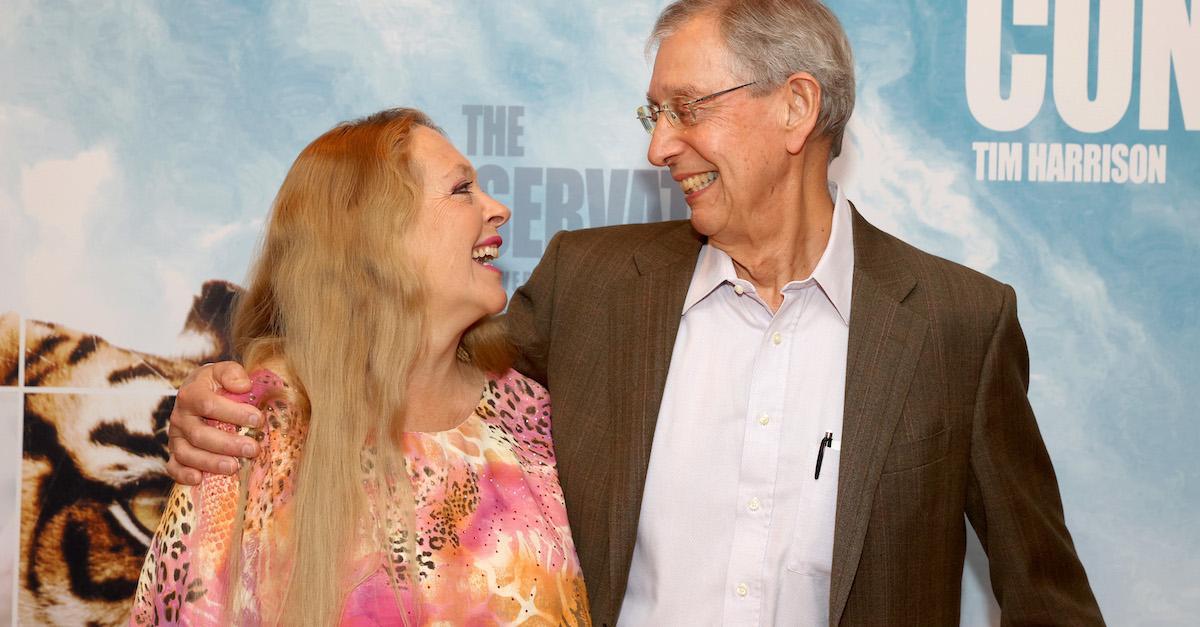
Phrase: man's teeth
x=697 y=182
x=484 y=254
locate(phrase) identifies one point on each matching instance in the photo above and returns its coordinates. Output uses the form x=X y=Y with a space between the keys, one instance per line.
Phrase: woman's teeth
x=697 y=182
x=485 y=254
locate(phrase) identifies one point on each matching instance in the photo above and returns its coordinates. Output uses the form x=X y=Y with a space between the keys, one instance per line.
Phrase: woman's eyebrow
x=460 y=168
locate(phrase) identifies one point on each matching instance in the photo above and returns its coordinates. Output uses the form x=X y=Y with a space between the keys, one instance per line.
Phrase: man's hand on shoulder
x=196 y=446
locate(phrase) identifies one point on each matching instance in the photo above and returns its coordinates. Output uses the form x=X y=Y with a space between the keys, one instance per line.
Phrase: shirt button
x=776 y=338
x=764 y=420
x=754 y=504
x=742 y=589
x=739 y=290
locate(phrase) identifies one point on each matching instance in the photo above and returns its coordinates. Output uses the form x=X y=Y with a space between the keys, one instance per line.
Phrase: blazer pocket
x=908 y=455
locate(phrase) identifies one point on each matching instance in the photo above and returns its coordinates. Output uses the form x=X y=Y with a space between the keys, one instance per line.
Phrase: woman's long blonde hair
x=334 y=297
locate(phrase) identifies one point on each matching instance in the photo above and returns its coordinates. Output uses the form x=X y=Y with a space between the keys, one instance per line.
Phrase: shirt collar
x=834 y=271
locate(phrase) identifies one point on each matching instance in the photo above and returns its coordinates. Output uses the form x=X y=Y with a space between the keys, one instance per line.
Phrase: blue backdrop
x=1050 y=144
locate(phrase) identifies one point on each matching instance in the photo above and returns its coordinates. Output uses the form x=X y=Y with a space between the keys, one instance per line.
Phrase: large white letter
x=1114 y=63
x=1168 y=34
x=983 y=66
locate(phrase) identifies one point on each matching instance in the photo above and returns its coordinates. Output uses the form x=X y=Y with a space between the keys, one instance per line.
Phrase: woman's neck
x=442 y=389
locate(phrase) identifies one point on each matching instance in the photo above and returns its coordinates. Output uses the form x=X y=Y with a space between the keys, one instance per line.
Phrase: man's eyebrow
x=686 y=91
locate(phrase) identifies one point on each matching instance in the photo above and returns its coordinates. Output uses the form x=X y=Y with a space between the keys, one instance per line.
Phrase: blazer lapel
x=884 y=345
x=644 y=325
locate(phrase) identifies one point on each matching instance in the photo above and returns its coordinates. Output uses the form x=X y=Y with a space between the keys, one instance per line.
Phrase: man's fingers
x=195 y=445
x=181 y=474
x=196 y=401
x=209 y=440
x=188 y=459
x=231 y=376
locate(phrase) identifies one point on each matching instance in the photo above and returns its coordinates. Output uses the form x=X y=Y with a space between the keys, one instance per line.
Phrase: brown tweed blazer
x=936 y=424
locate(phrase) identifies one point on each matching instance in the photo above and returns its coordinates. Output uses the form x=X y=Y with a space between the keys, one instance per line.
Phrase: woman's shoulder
x=520 y=407
x=272 y=393
x=263 y=379
x=518 y=387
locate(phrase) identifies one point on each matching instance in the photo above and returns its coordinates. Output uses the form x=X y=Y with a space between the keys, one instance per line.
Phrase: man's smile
x=697 y=182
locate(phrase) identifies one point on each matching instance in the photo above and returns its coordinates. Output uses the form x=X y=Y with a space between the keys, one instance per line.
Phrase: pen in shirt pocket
x=826 y=442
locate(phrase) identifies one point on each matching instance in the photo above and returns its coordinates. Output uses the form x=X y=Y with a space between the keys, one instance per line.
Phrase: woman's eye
x=464 y=188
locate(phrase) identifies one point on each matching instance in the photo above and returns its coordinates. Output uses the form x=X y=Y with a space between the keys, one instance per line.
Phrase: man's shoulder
x=623 y=239
x=945 y=283
x=936 y=267
x=589 y=260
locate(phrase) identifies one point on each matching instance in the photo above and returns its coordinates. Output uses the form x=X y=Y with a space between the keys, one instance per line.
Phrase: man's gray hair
x=770 y=40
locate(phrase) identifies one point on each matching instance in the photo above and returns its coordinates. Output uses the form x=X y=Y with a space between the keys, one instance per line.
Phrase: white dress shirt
x=734 y=529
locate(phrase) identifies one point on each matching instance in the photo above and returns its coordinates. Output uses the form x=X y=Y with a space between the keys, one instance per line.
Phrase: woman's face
x=454 y=235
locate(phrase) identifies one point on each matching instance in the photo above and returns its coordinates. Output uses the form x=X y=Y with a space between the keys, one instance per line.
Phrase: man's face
x=731 y=163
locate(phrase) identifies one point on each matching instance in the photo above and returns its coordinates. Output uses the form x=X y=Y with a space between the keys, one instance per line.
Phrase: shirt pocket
x=916 y=453
x=810 y=551
x=804 y=586
x=801 y=597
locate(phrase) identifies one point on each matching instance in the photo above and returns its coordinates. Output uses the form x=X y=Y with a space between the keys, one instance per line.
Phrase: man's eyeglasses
x=679 y=115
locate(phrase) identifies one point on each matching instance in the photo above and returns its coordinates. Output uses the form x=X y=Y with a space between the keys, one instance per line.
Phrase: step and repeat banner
x=1052 y=144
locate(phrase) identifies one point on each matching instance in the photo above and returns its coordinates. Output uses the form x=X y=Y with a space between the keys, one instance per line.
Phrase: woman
x=402 y=479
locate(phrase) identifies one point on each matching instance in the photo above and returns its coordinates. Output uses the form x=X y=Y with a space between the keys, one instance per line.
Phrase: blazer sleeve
x=530 y=314
x=1013 y=499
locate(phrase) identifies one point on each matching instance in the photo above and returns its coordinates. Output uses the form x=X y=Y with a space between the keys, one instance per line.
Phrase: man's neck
x=785 y=249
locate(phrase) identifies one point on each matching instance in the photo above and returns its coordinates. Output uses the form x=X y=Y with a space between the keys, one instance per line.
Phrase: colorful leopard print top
x=492 y=545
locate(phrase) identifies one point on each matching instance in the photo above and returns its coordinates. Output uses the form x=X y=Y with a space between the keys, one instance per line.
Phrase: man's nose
x=664 y=143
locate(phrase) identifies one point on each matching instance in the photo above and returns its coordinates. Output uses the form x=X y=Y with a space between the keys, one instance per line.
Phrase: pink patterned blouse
x=492 y=545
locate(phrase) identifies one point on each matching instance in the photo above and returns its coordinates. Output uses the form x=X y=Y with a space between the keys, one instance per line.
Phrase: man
x=774 y=413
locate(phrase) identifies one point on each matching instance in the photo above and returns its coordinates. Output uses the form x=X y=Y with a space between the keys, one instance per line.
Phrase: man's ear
x=803 y=94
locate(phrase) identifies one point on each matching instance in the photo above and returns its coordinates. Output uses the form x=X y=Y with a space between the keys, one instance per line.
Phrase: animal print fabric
x=492 y=547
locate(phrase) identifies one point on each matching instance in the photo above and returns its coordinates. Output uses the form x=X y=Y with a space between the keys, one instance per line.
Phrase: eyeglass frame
x=648 y=113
